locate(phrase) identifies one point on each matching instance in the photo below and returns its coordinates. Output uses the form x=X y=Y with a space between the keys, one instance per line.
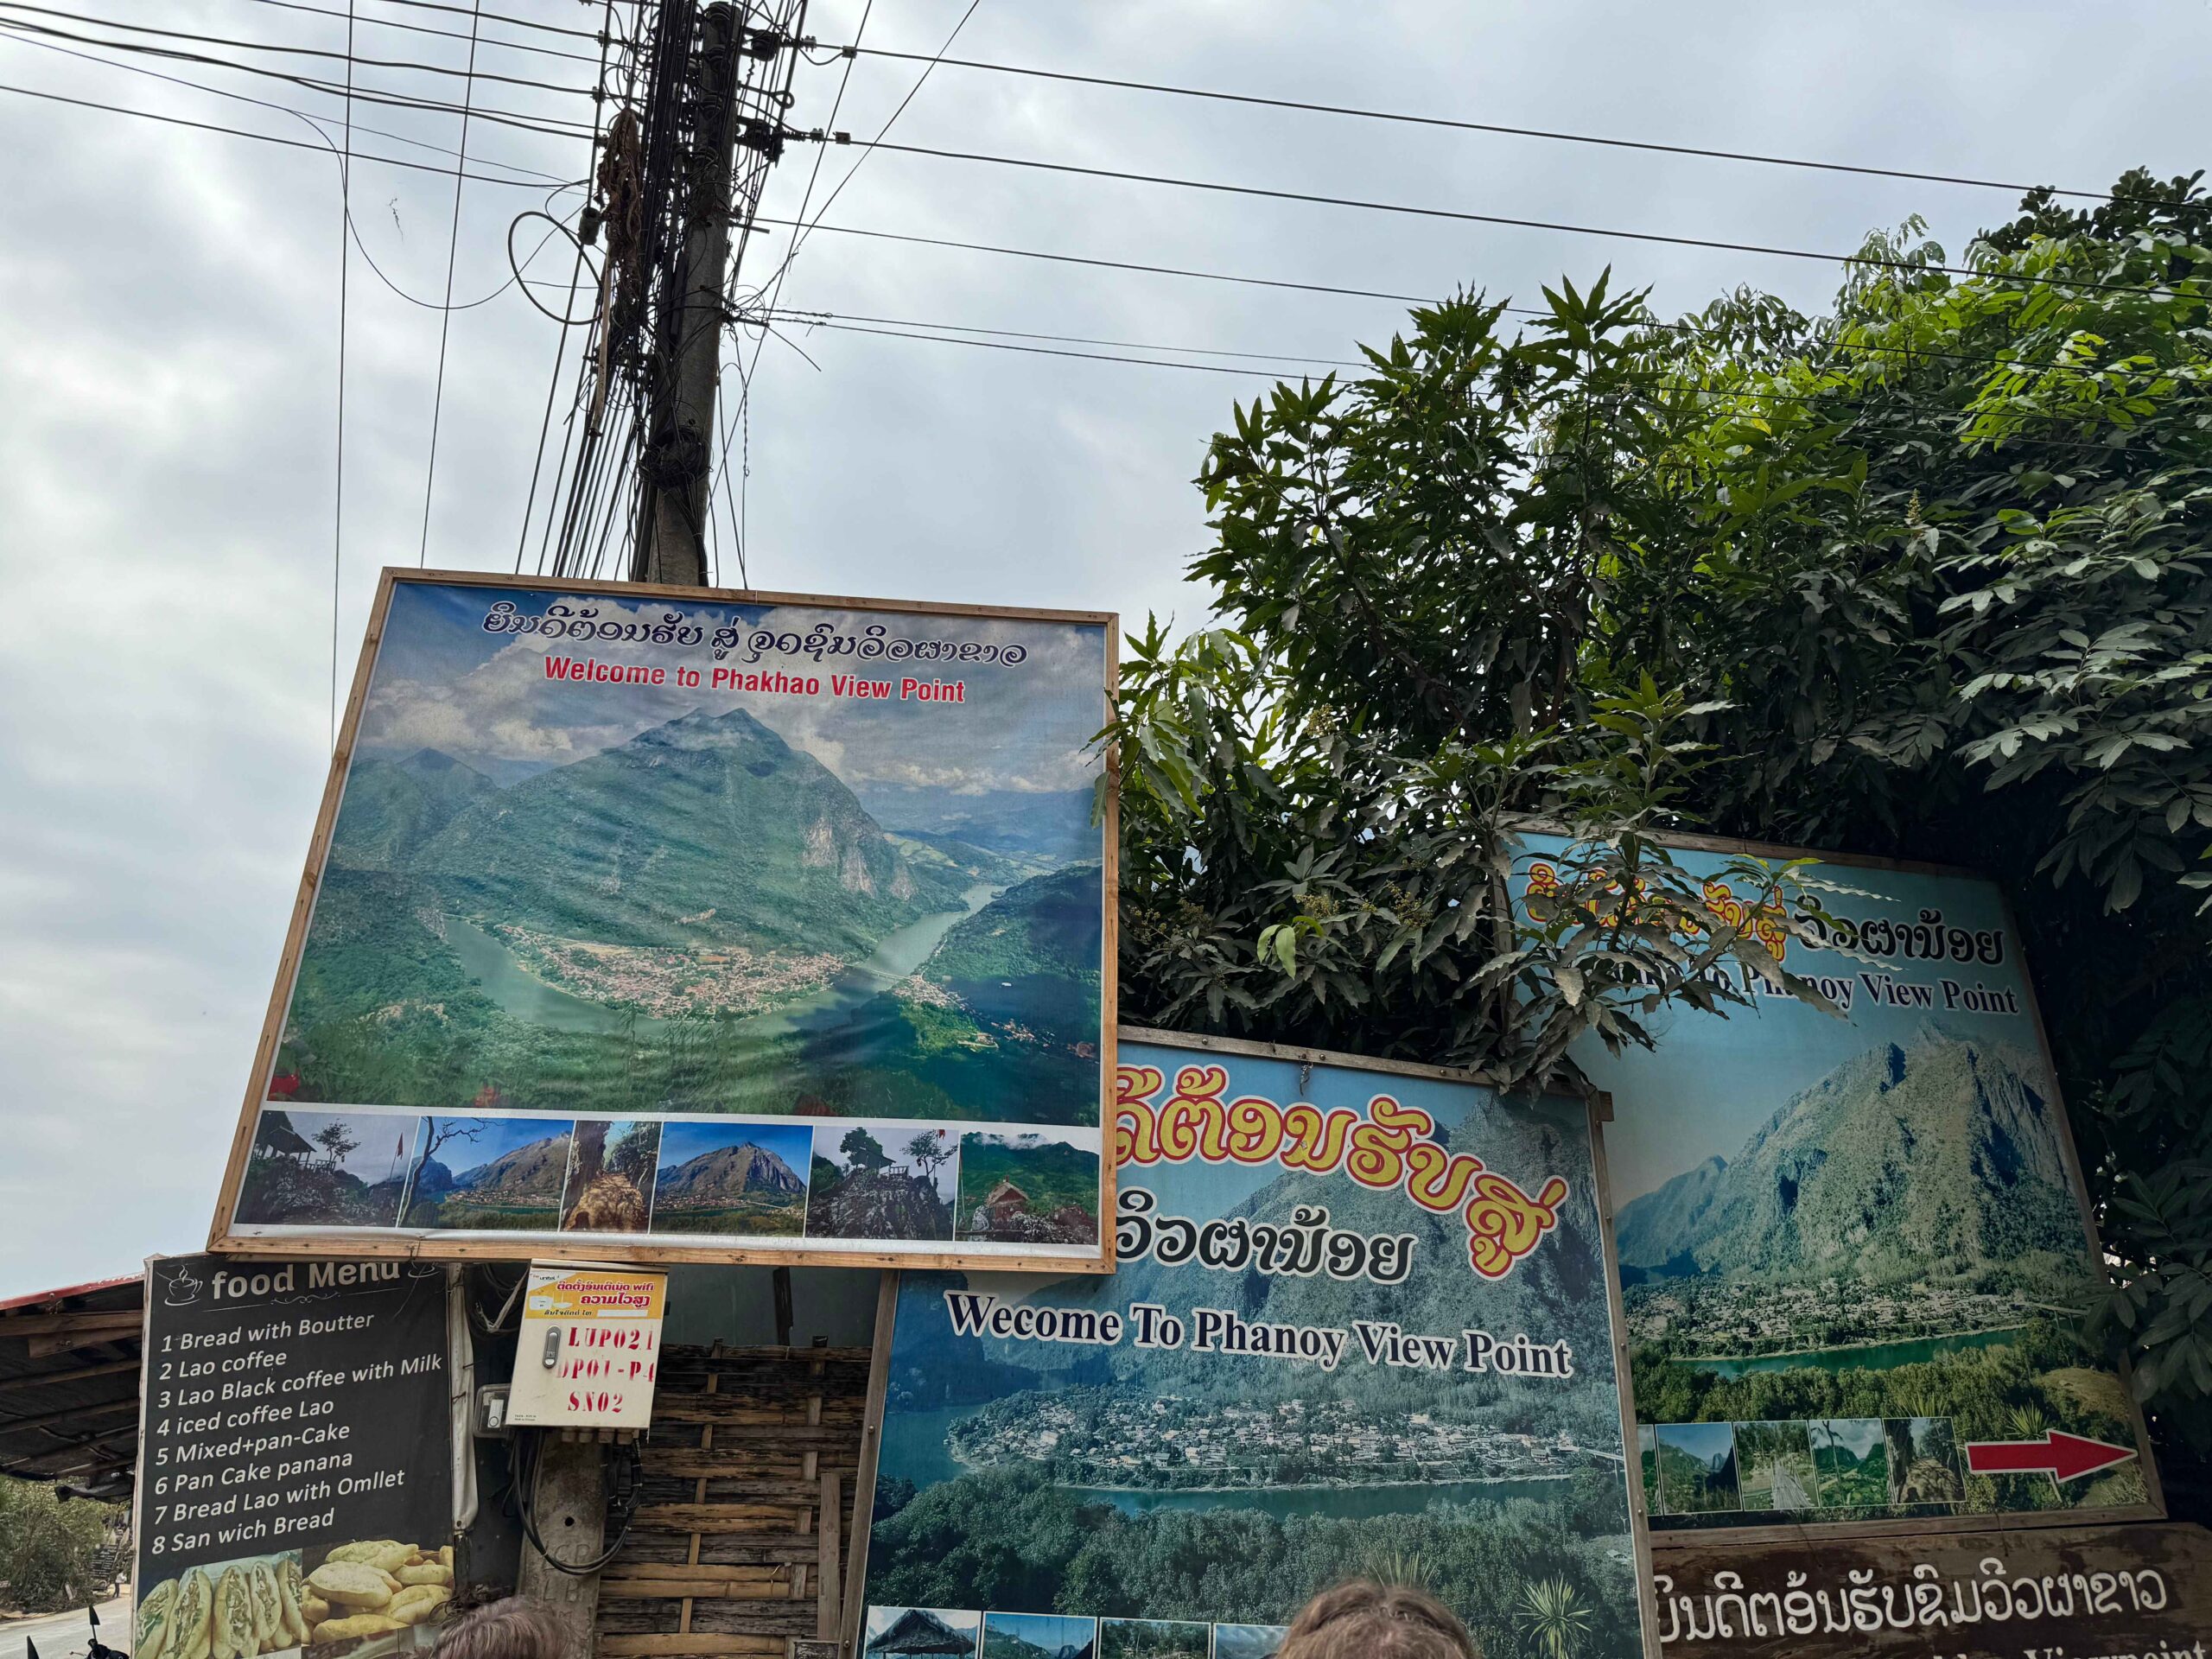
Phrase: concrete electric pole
x=671 y=545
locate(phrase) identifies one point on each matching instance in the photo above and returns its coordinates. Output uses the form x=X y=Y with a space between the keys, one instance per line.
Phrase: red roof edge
x=40 y=1298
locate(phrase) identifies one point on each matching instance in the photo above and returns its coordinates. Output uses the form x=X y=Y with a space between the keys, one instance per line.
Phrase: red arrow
x=2058 y=1455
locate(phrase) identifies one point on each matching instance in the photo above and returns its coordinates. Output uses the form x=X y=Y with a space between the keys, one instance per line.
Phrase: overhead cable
x=808 y=317
x=445 y=320
x=442 y=33
x=1871 y=347
x=548 y=126
x=262 y=137
x=1464 y=216
x=300 y=115
x=1404 y=117
x=494 y=17
x=283 y=49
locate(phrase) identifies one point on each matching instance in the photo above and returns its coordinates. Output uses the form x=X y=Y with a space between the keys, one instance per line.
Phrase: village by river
x=503 y=976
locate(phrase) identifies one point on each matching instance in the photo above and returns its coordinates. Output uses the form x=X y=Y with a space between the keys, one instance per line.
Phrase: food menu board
x=295 y=1486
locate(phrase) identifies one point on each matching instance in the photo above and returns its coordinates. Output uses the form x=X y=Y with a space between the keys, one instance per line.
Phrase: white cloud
x=168 y=349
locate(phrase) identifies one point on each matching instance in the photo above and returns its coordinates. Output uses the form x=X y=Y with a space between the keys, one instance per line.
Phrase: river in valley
x=1868 y=1357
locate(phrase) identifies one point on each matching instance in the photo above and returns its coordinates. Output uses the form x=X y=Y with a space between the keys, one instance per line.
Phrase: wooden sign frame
x=1998 y=1521
x=1599 y=1112
x=441 y=1246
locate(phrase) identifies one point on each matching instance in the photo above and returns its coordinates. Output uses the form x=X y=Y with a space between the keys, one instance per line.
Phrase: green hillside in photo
x=707 y=829
x=701 y=918
x=1852 y=1461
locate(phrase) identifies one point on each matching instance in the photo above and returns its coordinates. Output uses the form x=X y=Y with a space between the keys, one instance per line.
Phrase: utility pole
x=671 y=545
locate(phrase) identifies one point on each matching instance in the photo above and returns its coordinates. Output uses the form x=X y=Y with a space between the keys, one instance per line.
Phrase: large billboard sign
x=1362 y=1321
x=1855 y=1251
x=726 y=927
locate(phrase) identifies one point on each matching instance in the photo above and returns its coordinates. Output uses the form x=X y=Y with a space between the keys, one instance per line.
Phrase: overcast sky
x=169 y=324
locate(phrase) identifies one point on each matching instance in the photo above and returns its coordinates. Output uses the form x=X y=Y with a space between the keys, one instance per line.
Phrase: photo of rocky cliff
x=882 y=1180
x=742 y=1179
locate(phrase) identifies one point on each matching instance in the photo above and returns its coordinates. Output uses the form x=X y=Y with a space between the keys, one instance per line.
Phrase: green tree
x=51 y=1549
x=1922 y=576
x=863 y=1151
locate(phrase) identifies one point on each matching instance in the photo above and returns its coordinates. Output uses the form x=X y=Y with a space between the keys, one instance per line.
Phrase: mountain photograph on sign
x=1038 y=1636
x=490 y=1173
x=737 y=1178
x=922 y=1633
x=724 y=865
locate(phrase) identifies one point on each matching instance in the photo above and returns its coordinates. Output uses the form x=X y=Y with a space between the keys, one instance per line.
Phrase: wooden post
x=571 y=1517
x=829 y=1598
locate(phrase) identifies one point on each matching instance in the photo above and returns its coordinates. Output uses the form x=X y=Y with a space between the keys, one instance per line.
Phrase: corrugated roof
x=69 y=1381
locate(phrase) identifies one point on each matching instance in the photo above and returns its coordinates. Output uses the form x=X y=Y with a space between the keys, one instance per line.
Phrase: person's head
x=1364 y=1619
x=513 y=1628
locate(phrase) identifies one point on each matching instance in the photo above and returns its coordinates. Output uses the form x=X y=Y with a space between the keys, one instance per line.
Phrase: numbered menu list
x=296 y=1414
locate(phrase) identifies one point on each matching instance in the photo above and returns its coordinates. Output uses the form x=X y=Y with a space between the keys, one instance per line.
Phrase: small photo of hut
x=1923 y=1454
x=1038 y=1636
x=1247 y=1641
x=1029 y=1188
x=318 y=1168
x=611 y=1167
x=1153 y=1639
x=921 y=1633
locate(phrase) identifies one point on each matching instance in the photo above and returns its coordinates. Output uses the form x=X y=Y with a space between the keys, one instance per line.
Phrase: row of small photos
x=1826 y=1463
x=947 y=1633
x=726 y=1176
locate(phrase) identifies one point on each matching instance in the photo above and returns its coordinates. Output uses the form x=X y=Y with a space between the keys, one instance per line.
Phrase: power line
x=807 y=317
x=442 y=33
x=495 y=17
x=297 y=114
x=1466 y=126
x=345 y=263
x=1114 y=265
x=1035 y=351
x=348 y=155
x=325 y=148
x=953 y=334
x=1870 y=347
x=550 y=126
x=281 y=48
x=445 y=322
x=1464 y=216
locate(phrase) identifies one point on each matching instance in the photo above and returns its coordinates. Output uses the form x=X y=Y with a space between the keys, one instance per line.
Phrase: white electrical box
x=589 y=1348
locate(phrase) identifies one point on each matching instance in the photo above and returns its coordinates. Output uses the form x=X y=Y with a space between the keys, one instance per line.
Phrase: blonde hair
x=513 y=1628
x=1362 y=1618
